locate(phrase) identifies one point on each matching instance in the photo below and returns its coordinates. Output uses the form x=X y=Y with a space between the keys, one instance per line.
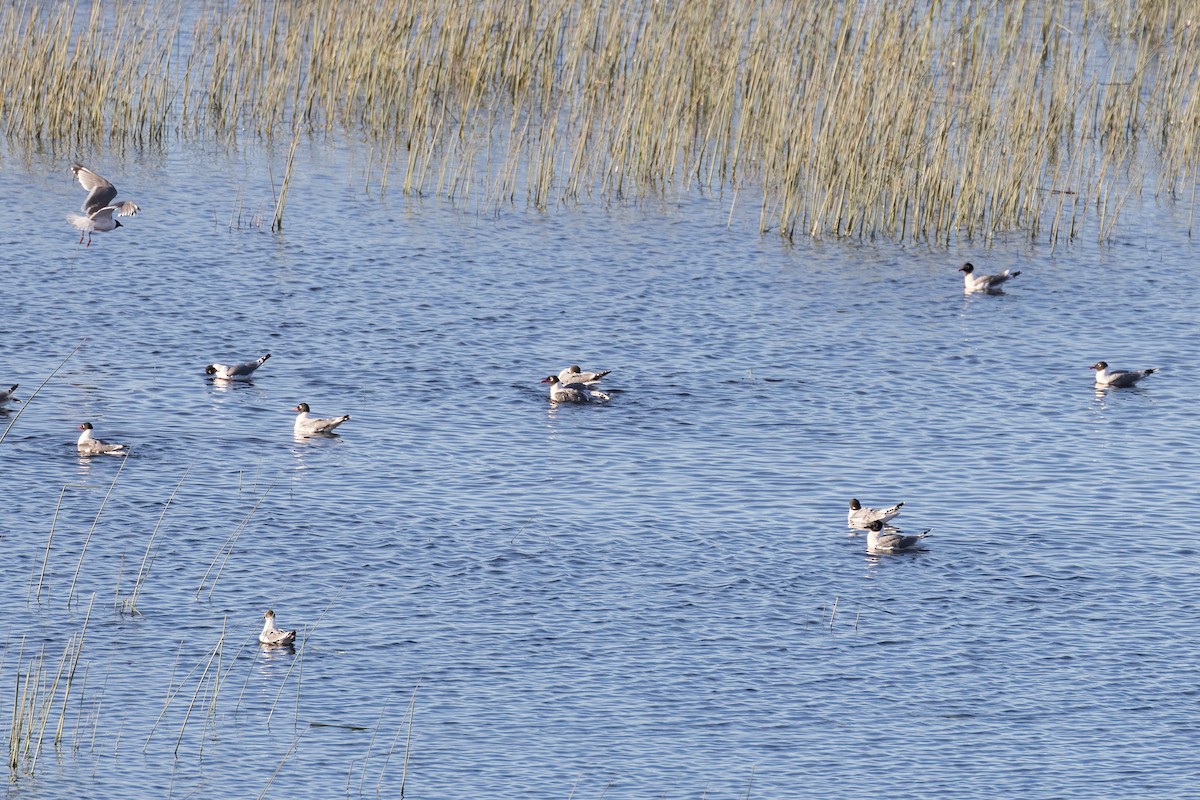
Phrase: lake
x=653 y=597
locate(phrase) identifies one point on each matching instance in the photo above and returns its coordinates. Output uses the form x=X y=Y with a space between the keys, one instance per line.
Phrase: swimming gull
x=880 y=542
x=98 y=206
x=272 y=635
x=307 y=426
x=860 y=517
x=89 y=445
x=983 y=283
x=1118 y=378
x=573 y=374
x=233 y=372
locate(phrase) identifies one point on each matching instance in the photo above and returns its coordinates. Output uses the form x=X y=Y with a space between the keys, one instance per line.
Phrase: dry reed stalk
x=226 y=549
x=909 y=119
x=38 y=390
x=88 y=539
x=214 y=655
x=129 y=604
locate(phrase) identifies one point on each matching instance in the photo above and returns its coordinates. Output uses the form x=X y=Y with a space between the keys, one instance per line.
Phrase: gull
x=98 y=206
x=272 y=635
x=233 y=372
x=6 y=396
x=561 y=392
x=860 y=517
x=573 y=374
x=89 y=445
x=983 y=283
x=879 y=542
x=307 y=426
x=1118 y=378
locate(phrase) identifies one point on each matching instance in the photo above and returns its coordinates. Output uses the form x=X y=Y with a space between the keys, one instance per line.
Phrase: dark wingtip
x=268 y=355
x=1015 y=274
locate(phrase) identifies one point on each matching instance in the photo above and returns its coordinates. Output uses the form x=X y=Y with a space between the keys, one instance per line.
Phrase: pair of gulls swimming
x=305 y=424
x=873 y=520
x=573 y=385
x=1105 y=378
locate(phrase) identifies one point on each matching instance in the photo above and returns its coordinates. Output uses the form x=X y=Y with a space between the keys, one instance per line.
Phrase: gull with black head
x=99 y=206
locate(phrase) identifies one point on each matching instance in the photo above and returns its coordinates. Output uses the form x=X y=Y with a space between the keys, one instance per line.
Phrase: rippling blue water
x=653 y=598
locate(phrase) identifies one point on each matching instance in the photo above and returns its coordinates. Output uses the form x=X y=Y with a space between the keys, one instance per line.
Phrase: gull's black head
x=1099 y=365
x=855 y=505
x=967 y=268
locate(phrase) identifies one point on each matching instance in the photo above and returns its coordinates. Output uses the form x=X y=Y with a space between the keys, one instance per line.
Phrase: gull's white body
x=880 y=541
x=573 y=374
x=983 y=283
x=307 y=425
x=272 y=635
x=234 y=372
x=1118 y=378
x=89 y=445
x=860 y=517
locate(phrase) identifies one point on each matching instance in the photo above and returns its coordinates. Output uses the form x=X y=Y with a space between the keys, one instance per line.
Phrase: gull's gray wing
x=100 y=191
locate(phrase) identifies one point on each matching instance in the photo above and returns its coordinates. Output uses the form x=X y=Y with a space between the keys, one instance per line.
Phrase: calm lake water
x=631 y=600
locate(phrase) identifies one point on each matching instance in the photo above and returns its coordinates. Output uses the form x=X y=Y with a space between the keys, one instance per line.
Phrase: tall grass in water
x=920 y=119
x=39 y=689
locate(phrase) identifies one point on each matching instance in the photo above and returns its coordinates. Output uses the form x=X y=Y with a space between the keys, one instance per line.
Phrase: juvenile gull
x=307 y=426
x=233 y=372
x=573 y=374
x=860 y=517
x=6 y=396
x=983 y=283
x=272 y=635
x=880 y=542
x=98 y=206
x=88 y=445
x=1118 y=378
x=561 y=392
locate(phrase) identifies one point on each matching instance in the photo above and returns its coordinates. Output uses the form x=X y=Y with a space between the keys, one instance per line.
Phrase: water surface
x=630 y=600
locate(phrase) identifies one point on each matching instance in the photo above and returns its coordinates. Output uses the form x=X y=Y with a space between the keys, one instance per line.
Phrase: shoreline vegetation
x=918 y=120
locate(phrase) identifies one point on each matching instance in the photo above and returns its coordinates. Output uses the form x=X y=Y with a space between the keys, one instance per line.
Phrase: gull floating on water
x=6 y=396
x=272 y=635
x=573 y=374
x=860 y=517
x=307 y=426
x=1118 y=378
x=561 y=392
x=880 y=542
x=89 y=445
x=98 y=206
x=983 y=283
x=233 y=372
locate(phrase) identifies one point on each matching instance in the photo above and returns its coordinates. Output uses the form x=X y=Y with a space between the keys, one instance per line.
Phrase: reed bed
x=40 y=687
x=921 y=119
